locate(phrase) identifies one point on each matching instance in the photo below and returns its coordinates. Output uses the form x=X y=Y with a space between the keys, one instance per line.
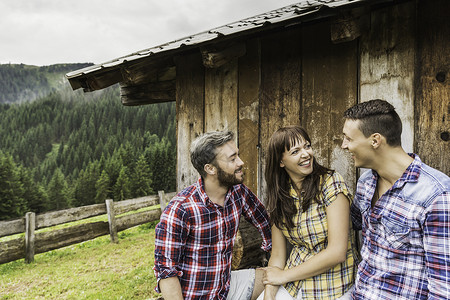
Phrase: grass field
x=96 y=269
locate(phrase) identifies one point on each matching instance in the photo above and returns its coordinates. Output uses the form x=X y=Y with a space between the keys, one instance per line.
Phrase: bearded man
x=195 y=235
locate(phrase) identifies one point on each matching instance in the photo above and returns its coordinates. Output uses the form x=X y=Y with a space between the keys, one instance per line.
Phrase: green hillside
x=96 y=269
x=21 y=83
x=66 y=148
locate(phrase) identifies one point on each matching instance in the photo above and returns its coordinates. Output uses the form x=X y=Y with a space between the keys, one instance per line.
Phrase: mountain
x=61 y=148
x=24 y=83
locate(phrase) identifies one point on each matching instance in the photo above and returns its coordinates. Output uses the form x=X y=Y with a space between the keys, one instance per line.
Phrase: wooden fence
x=39 y=242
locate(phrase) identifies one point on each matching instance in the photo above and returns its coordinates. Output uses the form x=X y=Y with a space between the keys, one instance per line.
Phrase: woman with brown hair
x=309 y=207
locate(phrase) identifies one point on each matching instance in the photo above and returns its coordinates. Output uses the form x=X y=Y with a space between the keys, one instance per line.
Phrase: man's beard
x=228 y=179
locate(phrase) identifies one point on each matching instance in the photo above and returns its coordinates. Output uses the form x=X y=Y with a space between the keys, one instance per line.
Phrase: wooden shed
x=300 y=64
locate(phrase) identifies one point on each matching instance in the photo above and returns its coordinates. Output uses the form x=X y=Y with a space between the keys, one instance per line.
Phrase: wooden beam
x=12 y=227
x=153 y=92
x=162 y=200
x=99 y=81
x=150 y=73
x=12 y=250
x=111 y=220
x=55 y=239
x=214 y=58
x=68 y=215
x=30 y=226
x=348 y=26
x=124 y=206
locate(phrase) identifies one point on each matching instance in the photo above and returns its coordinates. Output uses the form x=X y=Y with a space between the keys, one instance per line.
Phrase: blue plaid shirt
x=406 y=236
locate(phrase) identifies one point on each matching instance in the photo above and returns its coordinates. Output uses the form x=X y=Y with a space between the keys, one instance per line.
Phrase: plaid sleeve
x=355 y=208
x=170 y=237
x=437 y=247
x=255 y=212
x=334 y=184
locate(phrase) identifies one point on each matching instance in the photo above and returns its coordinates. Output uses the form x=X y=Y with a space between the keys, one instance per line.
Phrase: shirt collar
x=411 y=173
x=201 y=190
x=200 y=184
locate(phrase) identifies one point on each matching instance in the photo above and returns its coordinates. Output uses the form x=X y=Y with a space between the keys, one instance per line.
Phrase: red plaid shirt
x=195 y=237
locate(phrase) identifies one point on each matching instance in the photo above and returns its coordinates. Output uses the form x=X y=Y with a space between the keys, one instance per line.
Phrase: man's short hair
x=203 y=148
x=377 y=116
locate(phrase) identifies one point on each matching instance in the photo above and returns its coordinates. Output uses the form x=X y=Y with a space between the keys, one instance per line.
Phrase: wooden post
x=111 y=220
x=162 y=200
x=30 y=225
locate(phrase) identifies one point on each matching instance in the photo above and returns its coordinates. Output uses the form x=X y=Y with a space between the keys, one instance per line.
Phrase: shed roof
x=292 y=14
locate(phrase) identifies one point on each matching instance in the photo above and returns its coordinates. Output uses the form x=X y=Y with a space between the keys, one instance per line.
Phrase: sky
x=46 y=32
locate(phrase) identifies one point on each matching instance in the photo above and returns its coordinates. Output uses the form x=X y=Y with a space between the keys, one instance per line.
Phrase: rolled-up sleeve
x=170 y=238
x=436 y=242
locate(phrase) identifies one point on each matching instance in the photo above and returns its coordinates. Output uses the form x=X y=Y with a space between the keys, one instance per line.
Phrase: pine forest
x=62 y=149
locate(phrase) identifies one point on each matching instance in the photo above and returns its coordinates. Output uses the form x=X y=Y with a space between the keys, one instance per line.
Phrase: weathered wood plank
x=329 y=87
x=112 y=220
x=347 y=26
x=162 y=200
x=249 y=82
x=30 y=226
x=388 y=62
x=154 y=92
x=221 y=86
x=100 y=81
x=190 y=117
x=280 y=88
x=69 y=215
x=46 y=241
x=165 y=198
x=147 y=71
x=128 y=221
x=214 y=58
x=12 y=250
x=432 y=140
x=12 y=227
x=55 y=239
x=121 y=207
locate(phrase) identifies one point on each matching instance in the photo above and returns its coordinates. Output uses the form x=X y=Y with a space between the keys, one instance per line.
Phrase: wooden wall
x=285 y=78
x=298 y=76
x=388 y=63
x=432 y=106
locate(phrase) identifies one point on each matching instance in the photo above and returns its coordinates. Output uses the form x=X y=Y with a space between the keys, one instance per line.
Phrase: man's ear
x=210 y=169
x=376 y=140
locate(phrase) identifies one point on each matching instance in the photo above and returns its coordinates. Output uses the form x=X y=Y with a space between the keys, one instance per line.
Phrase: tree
x=141 y=182
x=121 y=189
x=85 y=131
x=34 y=194
x=58 y=192
x=102 y=187
x=12 y=203
x=85 y=187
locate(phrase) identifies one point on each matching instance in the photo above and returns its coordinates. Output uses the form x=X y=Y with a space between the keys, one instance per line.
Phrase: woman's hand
x=270 y=292
x=273 y=276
